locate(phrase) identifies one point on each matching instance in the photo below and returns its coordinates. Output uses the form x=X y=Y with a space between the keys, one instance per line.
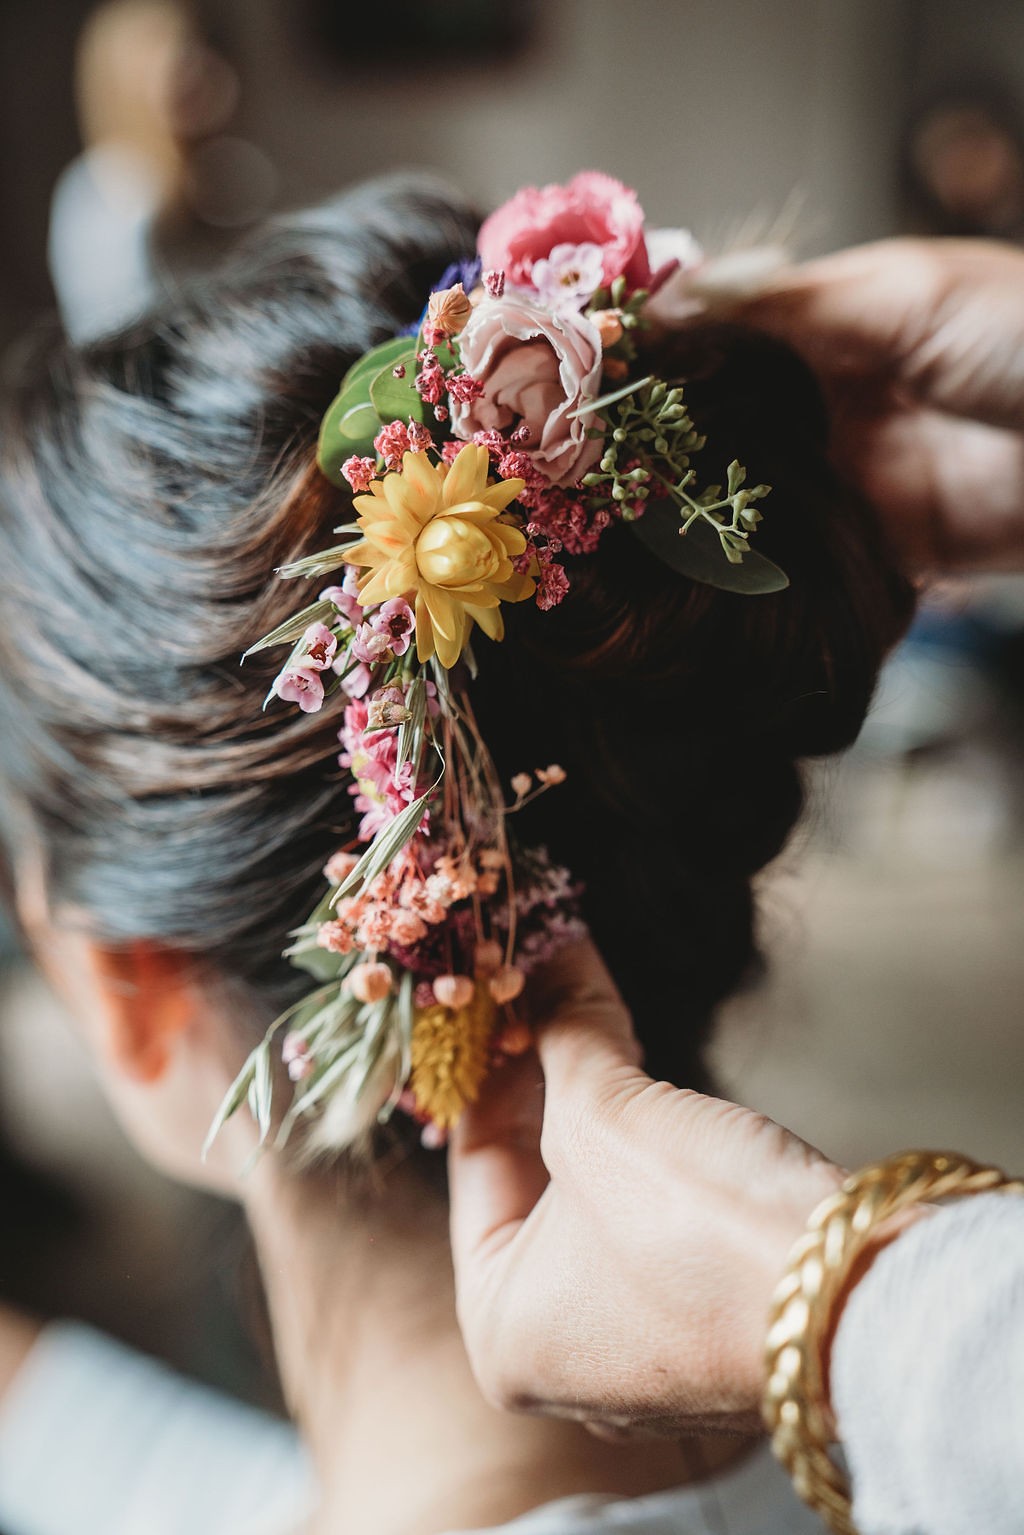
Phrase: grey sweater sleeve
x=928 y=1376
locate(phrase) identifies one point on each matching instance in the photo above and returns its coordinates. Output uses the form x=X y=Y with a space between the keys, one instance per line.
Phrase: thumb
x=584 y=1030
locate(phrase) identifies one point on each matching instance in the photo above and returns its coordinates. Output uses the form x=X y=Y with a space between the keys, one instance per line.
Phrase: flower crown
x=484 y=451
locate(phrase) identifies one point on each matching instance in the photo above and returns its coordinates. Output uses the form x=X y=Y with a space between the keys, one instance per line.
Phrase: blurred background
x=138 y=138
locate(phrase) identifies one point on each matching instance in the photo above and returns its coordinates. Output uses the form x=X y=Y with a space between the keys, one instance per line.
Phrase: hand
x=920 y=347
x=616 y=1240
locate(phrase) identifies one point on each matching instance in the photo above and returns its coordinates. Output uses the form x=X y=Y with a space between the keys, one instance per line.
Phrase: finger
x=584 y=1030
x=951 y=491
x=942 y=318
x=495 y=1171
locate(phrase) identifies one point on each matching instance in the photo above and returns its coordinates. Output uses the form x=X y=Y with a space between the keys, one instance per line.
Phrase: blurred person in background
x=159 y=188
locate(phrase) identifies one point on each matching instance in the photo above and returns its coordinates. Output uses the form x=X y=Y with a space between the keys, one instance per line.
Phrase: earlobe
x=147 y=1003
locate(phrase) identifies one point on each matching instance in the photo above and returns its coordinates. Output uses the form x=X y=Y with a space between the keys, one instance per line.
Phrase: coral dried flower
x=431 y=533
x=450 y=1057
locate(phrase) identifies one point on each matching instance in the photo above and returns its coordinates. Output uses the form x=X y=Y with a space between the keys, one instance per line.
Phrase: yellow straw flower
x=450 y=1056
x=432 y=532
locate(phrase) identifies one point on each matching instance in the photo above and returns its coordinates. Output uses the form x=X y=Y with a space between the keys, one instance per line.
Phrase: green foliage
x=650 y=440
x=370 y=396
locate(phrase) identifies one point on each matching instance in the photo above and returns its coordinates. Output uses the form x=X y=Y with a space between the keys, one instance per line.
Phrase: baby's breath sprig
x=650 y=439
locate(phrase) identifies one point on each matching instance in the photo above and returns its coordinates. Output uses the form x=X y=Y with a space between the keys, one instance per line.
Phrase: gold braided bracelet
x=795 y=1409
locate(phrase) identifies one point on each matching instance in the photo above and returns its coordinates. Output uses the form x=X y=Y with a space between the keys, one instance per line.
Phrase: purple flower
x=301 y=685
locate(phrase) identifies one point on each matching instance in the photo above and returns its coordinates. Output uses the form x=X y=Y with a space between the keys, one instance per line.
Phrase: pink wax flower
x=359 y=472
x=357 y=683
x=321 y=646
x=301 y=685
x=570 y=275
x=346 y=597
x=396 y=620
x=537 y=369
x=391 y=442
x=592 y=209
x=371 y=646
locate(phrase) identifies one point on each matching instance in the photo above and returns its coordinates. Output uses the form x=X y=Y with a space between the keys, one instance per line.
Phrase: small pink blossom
x=453 y=991
x=387 y=709
x=494 y=284
x=538 y=369
x=374 y=929
x=346 y=597
x=359 y=472
x=320 y=647
x=336 y=937
x=371 y=646
x=552 y=586
x=430 y=381
x=591 y=209
x=463 y=390
x=295 y=1054
x=522 y=783
x=397 y=621
x=569 y=275
x=357 y=683
x=370 y=982
x=551 y=776
x=339 y=866
x=301 y=685
x=391 y=442
x=420 y=438
x=407 y=928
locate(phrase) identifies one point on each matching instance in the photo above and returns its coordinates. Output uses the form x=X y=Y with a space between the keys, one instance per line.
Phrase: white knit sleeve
x=96 y=1439
x=928 y=1376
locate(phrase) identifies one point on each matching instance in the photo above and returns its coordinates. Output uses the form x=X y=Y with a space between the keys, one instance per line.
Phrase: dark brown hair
x=151 y=484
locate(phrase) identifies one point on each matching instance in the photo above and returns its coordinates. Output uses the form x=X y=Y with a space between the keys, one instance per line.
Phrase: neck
x=363 y=1311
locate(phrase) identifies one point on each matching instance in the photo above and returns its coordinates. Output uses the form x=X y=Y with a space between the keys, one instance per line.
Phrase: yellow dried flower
x=450 y=1055
x=432 y=534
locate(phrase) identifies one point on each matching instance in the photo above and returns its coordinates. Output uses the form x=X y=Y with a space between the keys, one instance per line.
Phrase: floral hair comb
x=508 y=432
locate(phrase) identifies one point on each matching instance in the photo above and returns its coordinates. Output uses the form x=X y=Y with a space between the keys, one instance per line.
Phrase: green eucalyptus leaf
x=396 y=399
x=700 y=556
x=349 y=427
x=400 y=352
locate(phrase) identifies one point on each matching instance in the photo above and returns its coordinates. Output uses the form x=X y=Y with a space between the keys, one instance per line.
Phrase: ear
x=146 y=1002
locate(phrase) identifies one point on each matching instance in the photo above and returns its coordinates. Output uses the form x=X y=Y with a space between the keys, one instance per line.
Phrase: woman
x=165 y=835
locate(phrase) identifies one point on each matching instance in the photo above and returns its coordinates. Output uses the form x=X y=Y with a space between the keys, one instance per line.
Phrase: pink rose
x=593 y=209
x=536 y=368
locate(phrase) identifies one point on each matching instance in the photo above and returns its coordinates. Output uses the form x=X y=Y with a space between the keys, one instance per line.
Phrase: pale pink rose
x=537 y=368
x=593 y=209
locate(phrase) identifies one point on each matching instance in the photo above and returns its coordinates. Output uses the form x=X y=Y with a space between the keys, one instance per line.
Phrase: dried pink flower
x=430 y=380
x=371 y=645
x=339 y=866
x=447 y=312
x=420 y=438
x=407 y=928
x=453 y=991
x=487 y=956
x=387 y=708
x=552 y=586
x=359 y=472
x=506 y=985
x=336 y=937
x=370 y=982
x=522 y=783
x=391 y=442
x=463 y=389
x=494 y=284
x=552 y=776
